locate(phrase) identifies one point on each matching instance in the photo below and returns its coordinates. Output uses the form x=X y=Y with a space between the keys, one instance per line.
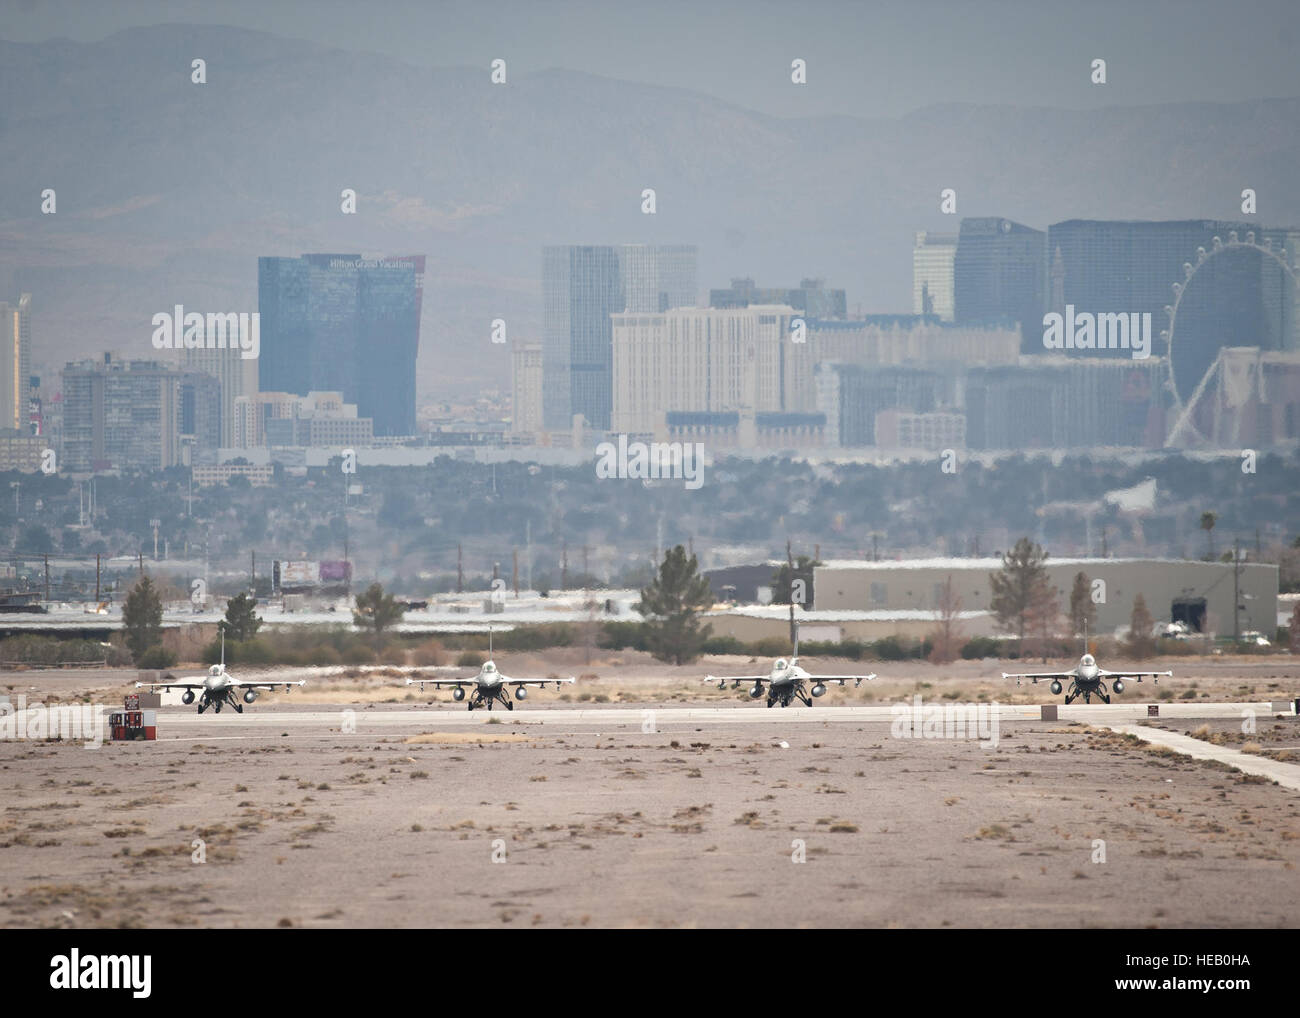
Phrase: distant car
x=1176 y=631
x=1255 y=638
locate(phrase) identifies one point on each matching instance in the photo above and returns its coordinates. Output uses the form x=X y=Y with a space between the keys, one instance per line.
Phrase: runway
x=364 y=718
x=1285 y=774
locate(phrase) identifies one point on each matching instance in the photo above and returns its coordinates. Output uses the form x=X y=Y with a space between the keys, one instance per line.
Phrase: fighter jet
x=787 y=681
x=219 y=687
x=489 y=685
x=1086 y=679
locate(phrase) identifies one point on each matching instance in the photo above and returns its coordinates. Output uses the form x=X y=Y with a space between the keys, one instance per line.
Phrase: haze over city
x=849 y=449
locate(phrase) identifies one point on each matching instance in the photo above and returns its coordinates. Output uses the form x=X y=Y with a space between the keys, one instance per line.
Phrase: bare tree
x=947 y=636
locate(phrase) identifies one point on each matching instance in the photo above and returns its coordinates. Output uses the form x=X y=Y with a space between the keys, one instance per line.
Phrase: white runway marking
x=621 y=717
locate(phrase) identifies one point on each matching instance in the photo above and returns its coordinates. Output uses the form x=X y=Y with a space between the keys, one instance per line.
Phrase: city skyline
x=851 y=192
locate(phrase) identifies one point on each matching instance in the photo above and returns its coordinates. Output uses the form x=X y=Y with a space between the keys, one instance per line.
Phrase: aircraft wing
x=841 y=679
x=439 y=683
x=735 y=680
x=1038 y=675
x=537 y=682
x=1130 y=675
x=234 y=683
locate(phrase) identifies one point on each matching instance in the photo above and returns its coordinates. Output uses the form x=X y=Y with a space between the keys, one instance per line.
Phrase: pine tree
x=242 y=621
x=142 y=618
x=671 y=605
x=1021 y=583
x=375 y=610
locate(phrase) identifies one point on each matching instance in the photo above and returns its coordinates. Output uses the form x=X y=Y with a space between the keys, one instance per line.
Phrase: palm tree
x=1208 y=519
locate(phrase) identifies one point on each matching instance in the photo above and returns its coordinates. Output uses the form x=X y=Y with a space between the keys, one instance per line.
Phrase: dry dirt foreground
x=691 y=825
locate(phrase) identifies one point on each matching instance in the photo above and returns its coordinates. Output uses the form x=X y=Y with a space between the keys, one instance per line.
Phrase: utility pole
x=514 y=572
x=789 y=562
x=47 y=576
x=96 y=579
x=1236 y=591
x=564 y=565
x=528 y=554
x=140 y=554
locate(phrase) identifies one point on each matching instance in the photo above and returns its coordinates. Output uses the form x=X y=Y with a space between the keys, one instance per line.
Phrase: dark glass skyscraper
x=1000 y=275
x=810 y=297
x=341 y=323
x=1239 y=296
x=581 y=288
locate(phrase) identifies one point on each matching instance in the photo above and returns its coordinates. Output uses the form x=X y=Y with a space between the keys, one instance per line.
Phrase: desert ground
x=307 y=811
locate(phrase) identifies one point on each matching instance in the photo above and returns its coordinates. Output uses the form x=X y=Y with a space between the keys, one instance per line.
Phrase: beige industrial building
x=761 y=622
x=1197 y=593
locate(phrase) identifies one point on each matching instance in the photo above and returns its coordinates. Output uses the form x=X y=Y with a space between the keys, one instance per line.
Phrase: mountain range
x=167 y=191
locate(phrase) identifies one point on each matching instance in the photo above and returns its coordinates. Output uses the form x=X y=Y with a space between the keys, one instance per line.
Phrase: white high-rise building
x=933 y=257
x=581 y=288
x=15 y=363
x=707 y=360
x=526 y=387
x=238 y=377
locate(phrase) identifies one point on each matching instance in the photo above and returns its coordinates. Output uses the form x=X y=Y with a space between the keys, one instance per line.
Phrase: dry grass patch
x=463 y=738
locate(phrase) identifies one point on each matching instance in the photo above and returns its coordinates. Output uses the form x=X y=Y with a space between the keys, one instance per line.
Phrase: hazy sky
x=881 y=58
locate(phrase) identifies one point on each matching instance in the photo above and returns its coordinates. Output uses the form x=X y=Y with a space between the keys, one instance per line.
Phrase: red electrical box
x=131 y=725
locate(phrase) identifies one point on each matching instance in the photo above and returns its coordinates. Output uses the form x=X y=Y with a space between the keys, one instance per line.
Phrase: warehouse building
x=1199 y=594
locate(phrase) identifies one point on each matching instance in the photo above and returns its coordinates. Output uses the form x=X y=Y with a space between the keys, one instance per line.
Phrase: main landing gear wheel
x=509 y=705
x=202 y=705
x=217 y=707
x=771 y=702
x=470 y=705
